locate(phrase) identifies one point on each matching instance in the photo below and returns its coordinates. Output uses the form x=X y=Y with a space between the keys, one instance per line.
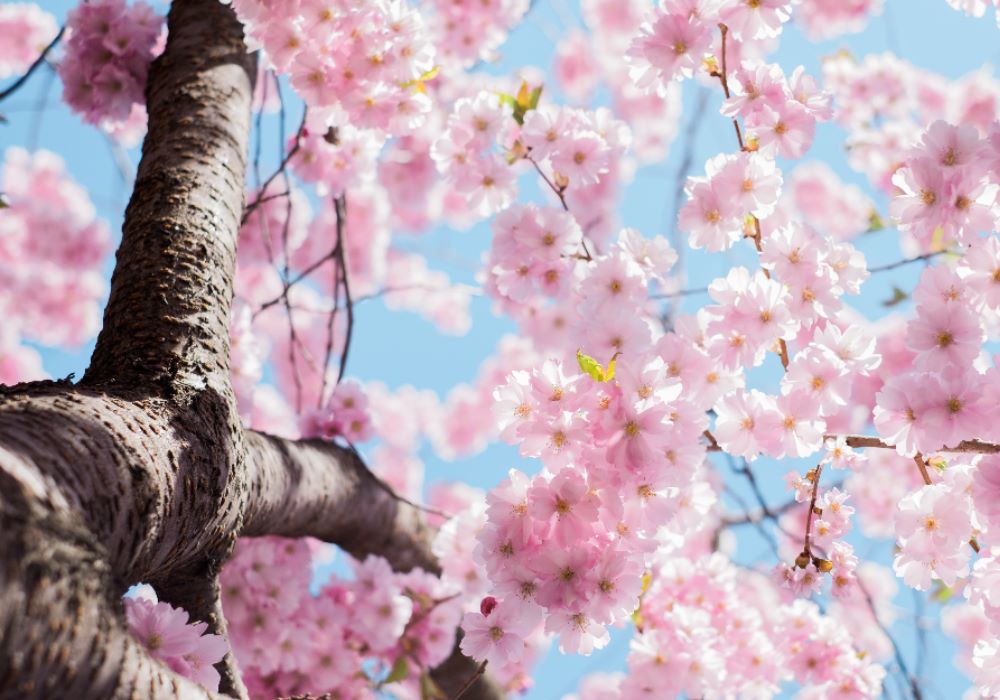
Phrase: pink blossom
x=575 y=66
x=500 y=636
x=944 y=335
x=825 y=19
x=107 y=56
x=26 y=29
x=668 y=47
x=165 y=633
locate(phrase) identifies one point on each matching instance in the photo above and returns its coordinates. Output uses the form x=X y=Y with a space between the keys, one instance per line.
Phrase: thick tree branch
x=167 y=319
x=318 y=489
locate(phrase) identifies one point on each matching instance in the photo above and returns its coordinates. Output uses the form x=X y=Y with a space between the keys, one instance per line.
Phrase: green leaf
x=591 y=367
x=525 y=101
x=942 y=593
x=536 y=95
x=898 y=296
x=418 y=83
x=594 y=369
x=637 y=618
x=610 y=373
x=4 y=204
x=400 y=670
x=429 y=689
x=523 y=95
x=875 y=222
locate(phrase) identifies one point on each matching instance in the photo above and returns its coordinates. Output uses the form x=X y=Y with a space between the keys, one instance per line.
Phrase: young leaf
x=591 y=367
x=594 y=369
x=875 y=222
x=610 y=373
x=523 y=96
x=898 y=296
x=400 y=670
x=418 y=83
x=536 y=95
x=942 y=593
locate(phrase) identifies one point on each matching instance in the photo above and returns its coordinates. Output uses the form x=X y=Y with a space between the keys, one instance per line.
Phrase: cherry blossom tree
x=217 y=448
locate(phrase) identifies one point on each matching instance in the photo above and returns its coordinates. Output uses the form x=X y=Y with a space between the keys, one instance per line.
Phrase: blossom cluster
x=706 y=629
x=943 y=397
x=166 y=634
x=825 y=19
x=345 y=415
x=578 y=152
x=51 y=284
x=26 y=30
x=886 y=102
x=979 y=652
x=468 y=32
x=109 y=47
x=620 y=462
x=289 y=641
x=934 y=526
x=358 y=62
x=674 y=41
x=583 y=62
x=948 y=186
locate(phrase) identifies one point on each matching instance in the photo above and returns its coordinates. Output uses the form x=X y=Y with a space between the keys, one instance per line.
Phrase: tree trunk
x=143 y=472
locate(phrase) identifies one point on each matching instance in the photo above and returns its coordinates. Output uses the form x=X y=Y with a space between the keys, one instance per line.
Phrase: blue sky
x=926 y=32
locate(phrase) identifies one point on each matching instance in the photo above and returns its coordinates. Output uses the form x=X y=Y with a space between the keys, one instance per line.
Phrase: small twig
x=751 y=517
x=724 y=79
x=713 y=444
x=966 y=446
x=469 y=683
x=758 y=494
x=807 y=544
x=385 y=291
x=897 y=652
x=757 y=523
x=34 y=66
x=922 y=466
x=340 y=208
x=907 y=261
x=280 y=171
x=560 y=192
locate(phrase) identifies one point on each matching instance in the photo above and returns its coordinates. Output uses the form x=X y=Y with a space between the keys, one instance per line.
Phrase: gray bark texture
x=142 y=471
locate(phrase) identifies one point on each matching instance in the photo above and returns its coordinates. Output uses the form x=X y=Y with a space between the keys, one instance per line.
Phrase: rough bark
x=166 y=330
x=296 y=493
x=142 y=472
